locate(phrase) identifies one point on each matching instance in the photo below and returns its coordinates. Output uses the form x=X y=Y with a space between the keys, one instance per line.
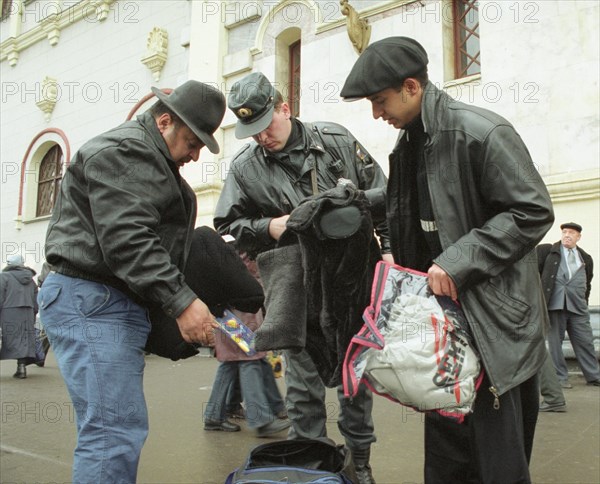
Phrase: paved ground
x=37 y=431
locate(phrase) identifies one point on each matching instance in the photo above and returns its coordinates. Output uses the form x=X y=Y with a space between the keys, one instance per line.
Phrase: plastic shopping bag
x=415 y=348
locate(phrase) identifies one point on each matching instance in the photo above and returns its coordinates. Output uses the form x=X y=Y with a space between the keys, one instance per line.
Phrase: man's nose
x=262 y=136
x=377 y=112
x=195 y=154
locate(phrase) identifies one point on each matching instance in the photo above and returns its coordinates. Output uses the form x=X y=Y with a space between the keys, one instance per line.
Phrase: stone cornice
x=210 y=187
x=568 y=187
x=49 y=28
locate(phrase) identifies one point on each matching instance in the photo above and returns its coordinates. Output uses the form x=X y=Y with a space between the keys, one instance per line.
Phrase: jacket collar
x=149 y=124
x=434 y=107
x=310 y=140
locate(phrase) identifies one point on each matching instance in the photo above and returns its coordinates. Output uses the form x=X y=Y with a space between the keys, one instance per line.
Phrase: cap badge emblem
x=244 y=112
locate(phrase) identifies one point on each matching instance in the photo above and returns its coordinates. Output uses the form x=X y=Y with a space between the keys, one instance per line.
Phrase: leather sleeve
x=127 y=185
x=518 y=211
x=237 y=214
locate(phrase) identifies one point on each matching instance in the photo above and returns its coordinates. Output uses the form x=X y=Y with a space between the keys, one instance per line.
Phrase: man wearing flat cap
x=117 y=242
x=458 y=210
x=288 y=162
x=566 y=271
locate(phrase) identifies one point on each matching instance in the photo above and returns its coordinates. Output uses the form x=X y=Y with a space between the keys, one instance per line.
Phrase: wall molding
x=574 y=186
x=49 y=28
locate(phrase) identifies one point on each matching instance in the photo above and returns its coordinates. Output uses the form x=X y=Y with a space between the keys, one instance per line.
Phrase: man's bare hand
x=388 y=258
x=197 y=324
x=440 y=282
x=277 y=226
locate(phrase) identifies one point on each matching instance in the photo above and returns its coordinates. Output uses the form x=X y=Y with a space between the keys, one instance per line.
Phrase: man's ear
x=163 y=122
x=285 y=109
x=411 y=85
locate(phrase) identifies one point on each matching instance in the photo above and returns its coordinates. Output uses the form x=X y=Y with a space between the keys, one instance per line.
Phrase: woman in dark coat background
x=18 y=307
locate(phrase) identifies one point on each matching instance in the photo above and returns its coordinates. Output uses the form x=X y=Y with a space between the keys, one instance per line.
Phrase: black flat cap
x=384 y=64
x=252 y=100
x=571 y=225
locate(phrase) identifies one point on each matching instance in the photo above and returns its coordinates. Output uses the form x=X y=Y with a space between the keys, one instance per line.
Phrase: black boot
x=21 y=371
x=360 y=457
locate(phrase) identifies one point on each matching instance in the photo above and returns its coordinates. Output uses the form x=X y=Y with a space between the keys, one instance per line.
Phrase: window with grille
x=294 y=85
x=467 y=54
x=6 y=9
x=50 y=175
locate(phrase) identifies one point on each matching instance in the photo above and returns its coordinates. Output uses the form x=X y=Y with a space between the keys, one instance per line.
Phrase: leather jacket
x=125 y=217
x=259 y=187
x=549 y=256
x=491 y=208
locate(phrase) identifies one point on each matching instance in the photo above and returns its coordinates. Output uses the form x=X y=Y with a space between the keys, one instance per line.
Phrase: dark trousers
x=491 y=446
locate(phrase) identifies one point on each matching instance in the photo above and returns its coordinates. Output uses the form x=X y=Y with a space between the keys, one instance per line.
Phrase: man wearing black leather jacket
x=288 y=162
x=466 y=205
x=117 y=242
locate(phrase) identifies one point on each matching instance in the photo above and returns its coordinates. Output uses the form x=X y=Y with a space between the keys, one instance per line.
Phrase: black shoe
x=273 y=428
x=21 y=371
x=225 y=426
x=565 y=384
x=595 y=383
x=362 y=468
x=553 y=407
x=364 y=475
x=238 y=413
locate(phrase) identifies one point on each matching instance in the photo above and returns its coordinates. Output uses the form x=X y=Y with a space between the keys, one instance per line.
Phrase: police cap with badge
x=252 y=100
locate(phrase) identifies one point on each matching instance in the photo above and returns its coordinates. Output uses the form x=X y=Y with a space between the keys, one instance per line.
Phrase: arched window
x=287 y=67
x=50 y=175
x=295 y=77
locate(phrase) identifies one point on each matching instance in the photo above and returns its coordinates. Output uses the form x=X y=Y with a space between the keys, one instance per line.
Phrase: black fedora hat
x=200 y=106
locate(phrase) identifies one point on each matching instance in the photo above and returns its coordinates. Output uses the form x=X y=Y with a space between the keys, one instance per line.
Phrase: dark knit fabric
x=285 y=298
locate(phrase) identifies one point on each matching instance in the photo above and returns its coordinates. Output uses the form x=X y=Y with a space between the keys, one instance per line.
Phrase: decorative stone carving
x=48 y=96
x=12 y=51
x=359 y=29
x=52 y=28
x=102 y=9
x=156 y=52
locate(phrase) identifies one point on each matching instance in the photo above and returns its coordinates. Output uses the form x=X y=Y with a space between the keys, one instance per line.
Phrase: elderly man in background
x=566 y=271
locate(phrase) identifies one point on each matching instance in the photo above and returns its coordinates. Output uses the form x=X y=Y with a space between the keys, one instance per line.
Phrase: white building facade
x=72 y=69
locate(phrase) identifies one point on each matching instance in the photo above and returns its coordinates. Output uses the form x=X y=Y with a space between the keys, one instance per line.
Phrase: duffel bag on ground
x=296 y=461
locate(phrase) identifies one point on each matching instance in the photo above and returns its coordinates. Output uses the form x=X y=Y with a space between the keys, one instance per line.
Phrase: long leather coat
x=125 y=217
x=491 y=208
x=259 y=187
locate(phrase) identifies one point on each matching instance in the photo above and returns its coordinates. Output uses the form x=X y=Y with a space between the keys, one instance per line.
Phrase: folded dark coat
x=281 y=272
x=216 y=273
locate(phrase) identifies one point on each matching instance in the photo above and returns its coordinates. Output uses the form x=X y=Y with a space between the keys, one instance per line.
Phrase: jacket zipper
x=496 y=397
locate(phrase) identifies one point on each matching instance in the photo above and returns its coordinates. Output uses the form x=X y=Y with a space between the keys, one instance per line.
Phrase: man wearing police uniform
x=289 y=161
